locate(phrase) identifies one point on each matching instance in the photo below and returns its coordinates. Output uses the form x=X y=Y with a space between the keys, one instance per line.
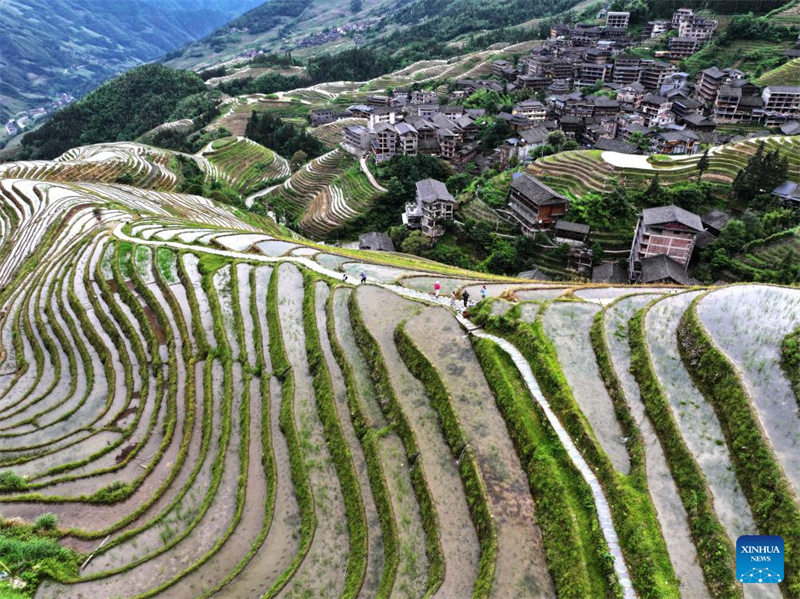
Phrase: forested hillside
x=122 y=109
x=71 y=46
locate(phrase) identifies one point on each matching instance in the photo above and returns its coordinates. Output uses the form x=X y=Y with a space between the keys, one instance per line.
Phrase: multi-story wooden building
x=534 y=205
x=667 y=230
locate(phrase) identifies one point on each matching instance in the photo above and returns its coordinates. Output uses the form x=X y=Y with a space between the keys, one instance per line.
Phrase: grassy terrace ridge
x=640 y=535
x=471 y=477
x=714 y=549
x=282 y=369
x=563 y=501
x=394 y=415
x=337 y=444
x=774 y=504
x=790 y=360
x=375 y=471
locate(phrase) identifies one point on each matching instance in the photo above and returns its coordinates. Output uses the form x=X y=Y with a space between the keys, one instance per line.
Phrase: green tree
x=789 y=269
x=416 y=243
x=703 y=164
x=355 y=6
x=570 y=145
x=503 y=258
x=764 y=172
x=556 y=139
x=299 y=158
x=641 y=141
x=732 y=237
x=489 y=100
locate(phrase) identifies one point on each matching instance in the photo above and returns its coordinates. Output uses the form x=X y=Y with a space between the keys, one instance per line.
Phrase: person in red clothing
x=437 y=287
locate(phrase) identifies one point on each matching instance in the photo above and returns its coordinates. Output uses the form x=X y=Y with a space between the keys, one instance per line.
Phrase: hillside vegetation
x=72 y=46
x=122 y=109
x=205 y=394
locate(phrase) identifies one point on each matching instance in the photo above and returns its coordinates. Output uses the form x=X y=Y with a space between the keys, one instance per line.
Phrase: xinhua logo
x=759 y=559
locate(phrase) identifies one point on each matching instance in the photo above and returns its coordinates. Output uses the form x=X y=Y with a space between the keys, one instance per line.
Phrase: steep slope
x=71 y=46
x=192 y=404
x=309 y=28
x=275 y=25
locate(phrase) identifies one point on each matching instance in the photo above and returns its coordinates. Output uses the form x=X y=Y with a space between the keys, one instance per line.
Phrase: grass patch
x=771 y=499
x=714 y=549
x=474 y=487
x=30 y=554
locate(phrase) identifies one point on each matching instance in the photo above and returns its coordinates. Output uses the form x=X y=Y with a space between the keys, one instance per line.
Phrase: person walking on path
x=344 y=278
x=437 y=287
x=453 y=301
x=363 y=277
x=465 y=297
x=483 y=292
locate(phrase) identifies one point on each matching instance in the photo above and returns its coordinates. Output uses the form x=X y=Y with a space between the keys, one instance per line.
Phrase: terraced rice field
x=245 y=163
x=582 y=171
x=786 y=74
x=144 y=166
x=207 y=409
x=323 y=194
x=331 y=133
x=767 y=254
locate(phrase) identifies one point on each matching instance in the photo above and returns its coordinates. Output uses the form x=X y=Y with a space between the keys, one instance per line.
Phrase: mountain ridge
x=50 y=52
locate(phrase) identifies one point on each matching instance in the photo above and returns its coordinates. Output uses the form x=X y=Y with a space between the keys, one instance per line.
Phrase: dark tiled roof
x=716 y=219
x=654 y=99
x=615 y=145
x=784 y=89
x=609 y=272
x=536 y=191
x=375 y=241
x=403 y=128
x=685 y=135
x=669 y=214
x=565 y=225
x=698 y=119
x=430 y=190
x=534 y=135
x=534 y=274
x=713 y=72
x=658 y=268
x=787 y=189
x=790 y=128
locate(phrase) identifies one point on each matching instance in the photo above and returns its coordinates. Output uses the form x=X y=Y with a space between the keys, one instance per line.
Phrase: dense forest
x=122 y=109
x=285 y=138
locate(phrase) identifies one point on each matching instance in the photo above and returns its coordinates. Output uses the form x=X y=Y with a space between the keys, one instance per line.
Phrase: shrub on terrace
x=46 y=521
x=10 y=481
x=268 y=83
x=30 y=553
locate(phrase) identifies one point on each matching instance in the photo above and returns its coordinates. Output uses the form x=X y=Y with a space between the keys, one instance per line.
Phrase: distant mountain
x=416 y=29
x=279 y=25
x=71 y=46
